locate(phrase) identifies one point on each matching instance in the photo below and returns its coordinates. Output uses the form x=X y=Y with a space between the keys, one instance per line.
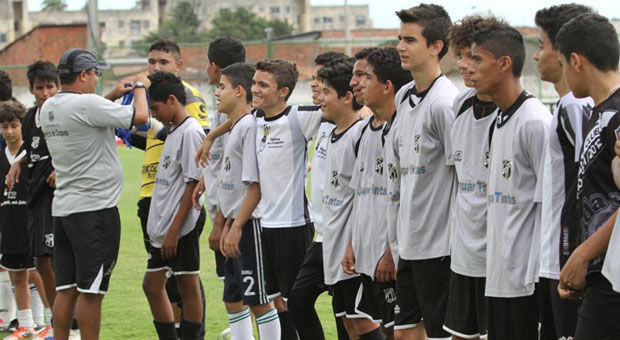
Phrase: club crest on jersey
x=379 y=166
x=392 y=173
x=506 y=168
x=166 y=162
x=35 y=142
x=50 y=115
x=226 y=164
x=390 y=295
x=416 y=143
x=334 y=180
x=49 y=240
x=485 y=160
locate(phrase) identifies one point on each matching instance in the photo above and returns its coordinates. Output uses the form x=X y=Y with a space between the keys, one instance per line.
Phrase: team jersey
x=281 y=143
x=470 y=139
x=558 y=186
x=611 y=266
x=239 y=169
x=13 y=208
x=337 y=201
x=598 y=197
x=369 y=233
x=39 y=160
x=196 y=107
x=212 y=171
x=427 y=181
x=391 y=172
x=176 y=169
x=318 y=175
x=513 y=215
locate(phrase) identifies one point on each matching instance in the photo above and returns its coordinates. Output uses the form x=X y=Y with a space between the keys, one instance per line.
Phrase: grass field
x=126 y=312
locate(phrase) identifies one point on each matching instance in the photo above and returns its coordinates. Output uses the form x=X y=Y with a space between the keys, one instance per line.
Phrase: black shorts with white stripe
x=467 y=307
x=244 y=276
x=376 y=300
x=16 y=263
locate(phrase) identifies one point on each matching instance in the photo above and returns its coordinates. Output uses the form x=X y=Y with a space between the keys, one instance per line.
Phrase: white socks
x=269 y=325
x=36 y=305
x=240 y=325
x=24 y=317
x=7 y=299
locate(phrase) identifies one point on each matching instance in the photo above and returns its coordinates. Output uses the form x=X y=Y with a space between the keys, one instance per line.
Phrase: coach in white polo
x=78 y=126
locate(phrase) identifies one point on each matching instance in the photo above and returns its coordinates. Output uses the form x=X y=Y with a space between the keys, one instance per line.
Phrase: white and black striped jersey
x=369 y=232
x=559 y=180
x=513 y=215
x=598 y=197
x=427 y=182
x=212 y=170
x=470 y=137
x=239 y=168
x=317 y=174
x=338 y=201
x=281 y=144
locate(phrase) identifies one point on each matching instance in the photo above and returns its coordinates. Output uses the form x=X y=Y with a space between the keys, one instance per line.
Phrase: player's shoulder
x=404 y=91
x=307 y=108
x=534 y=110
x=442 y=92
x=189 y=89
x=464 y=100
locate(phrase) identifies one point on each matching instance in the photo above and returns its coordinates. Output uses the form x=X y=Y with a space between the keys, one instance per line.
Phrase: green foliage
x=246 y=25
x=53 y=5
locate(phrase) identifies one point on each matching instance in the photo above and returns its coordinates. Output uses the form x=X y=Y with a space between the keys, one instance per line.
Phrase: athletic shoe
x=74 y=334
x=47 y=332
x=21 y=333
x=13 y=326
x=224 y=335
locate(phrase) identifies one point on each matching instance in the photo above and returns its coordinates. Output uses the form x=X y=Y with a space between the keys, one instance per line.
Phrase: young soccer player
x=369 y=249
x=428 y=183
x=515 y=168
x=466 y=316
x=589 y=54
x=339 y=106
x=79 y=130
x=359 y=73
x=14 y=244
x=559 y=204
x=239 y=194
x=310 y=282
x=173 y=227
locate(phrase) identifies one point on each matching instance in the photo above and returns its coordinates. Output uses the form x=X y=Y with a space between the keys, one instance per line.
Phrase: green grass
x=126 y=313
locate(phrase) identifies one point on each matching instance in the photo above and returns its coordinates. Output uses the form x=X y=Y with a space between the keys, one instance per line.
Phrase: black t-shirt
x=39 y=159
x=597 y=195
x=13 y=212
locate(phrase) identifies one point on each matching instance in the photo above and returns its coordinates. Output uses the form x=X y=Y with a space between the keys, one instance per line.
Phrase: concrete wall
x=333 y=17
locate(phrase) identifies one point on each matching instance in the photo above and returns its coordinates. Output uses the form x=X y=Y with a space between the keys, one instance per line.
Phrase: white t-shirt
x=428 y=181
x=79 y=131
x=175 y=170
x=281 y=144
x=470 y=143
x=212 y=170
x=561 y=163
x=239 y=167
x=513 y=215
x=338 y=202
x=318 y=175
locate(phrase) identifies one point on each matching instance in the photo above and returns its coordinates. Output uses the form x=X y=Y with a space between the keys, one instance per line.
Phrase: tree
x=245 y=25
x=54 y=5
x=181 y=27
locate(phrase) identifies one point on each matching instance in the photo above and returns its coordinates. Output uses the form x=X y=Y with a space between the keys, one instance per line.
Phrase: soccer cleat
x=21 y=333
x=13 y=325
x=45 y=333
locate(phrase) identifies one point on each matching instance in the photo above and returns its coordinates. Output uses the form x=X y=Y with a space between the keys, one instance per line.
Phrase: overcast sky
x=520 y=12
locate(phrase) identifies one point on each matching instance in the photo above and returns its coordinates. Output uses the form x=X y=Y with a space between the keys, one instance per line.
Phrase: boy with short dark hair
x=559 y=205
x=14 y=246
x=427 y=182
x=174 y=228
x=589 y=54
x=359 y=73
x=339 y=106
x=515 y=171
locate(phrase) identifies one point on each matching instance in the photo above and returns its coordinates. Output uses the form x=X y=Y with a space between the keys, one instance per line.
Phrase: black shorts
x=466 y=316
x=310 y=274
x=422 y=288
x=16 y=263
x=558 y=317
x=41 y=225
x=284 y=253
x=187 y=261
x=599 y=314
x=144 y=205
x=513 y=318
x=376 y=300
x=244 y=276
x=86 y=250
x=344 y=295
x=219 y=264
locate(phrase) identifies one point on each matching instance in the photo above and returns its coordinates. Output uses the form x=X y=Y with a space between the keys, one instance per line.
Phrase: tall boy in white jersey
x=283 y=132
x=589 y=54
x=515 y=169
x=310 y=282
x=559 y=201
x=339 y=106
x=173 y=227
x=372 y=255
x=466 y=317
x=428 y=184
